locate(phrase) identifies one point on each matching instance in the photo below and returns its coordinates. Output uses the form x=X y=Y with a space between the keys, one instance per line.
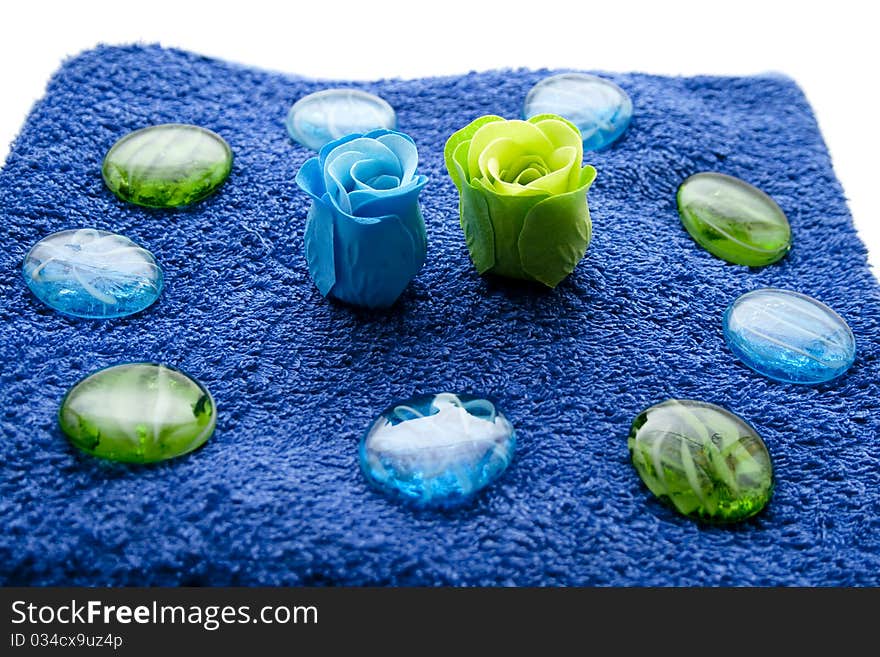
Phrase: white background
x=830 y=48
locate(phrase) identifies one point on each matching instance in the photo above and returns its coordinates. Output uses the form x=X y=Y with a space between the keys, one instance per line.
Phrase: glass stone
x=167 y=165
x=599 y=108
x=323 y=116
x=138 y=413
x=789 y=337
x=733 y=220
x=92 y=274
x=702 y=459
x=437 y=450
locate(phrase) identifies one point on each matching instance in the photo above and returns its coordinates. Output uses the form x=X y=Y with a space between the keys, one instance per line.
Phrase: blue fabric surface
x=276 y=497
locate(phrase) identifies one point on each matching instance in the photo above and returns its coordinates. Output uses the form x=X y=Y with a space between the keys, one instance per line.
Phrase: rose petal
x=516 y=166
x=562 y=162
x=529 y=175
x=561 y=133
x=319 y=247
x=564 y=134
x=365 y=172
x=339 y=162
x=456 y=163
x=506 y=212
x=491 y=160
x=556 y=232
x=337 y=177
x=385 y=183
x=381 y=132
x=309 y=178
x=405 y=151
x=369 y=149
x=377 y=258
x=527 y=136
x=374 y=203
x=477 y=226
x=330 y=146
x=568 y=158
x=587 y=176
x=459 y=162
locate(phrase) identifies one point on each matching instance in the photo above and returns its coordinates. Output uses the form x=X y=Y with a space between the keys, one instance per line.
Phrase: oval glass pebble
x=92 y=273
x=702 y=459
x=437 y=450
x=788 y=336
x=733 y=220
x=599 y=108
x=138 y=413
x=168 y=165
x=323 y=116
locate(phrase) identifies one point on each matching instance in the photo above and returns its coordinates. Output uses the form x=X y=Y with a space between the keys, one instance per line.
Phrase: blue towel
x=276 y=496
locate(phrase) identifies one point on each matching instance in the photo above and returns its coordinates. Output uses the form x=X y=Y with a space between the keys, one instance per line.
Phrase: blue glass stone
x=92 y=273
x=789 y=337
x=323 y=116
x=437 y=450
x=599 y=108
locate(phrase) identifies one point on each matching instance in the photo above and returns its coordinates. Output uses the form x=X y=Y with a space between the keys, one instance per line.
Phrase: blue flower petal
x=380 y=132
x=310 y=179
x=319 y=245
x=375 y=174
x=405 y=150
x=377 y=258
x=330 y=146
x=379 y=202
x=398 y=201
x=369 y=149
x=338 y=179
x=338 y=164
x=385 y=183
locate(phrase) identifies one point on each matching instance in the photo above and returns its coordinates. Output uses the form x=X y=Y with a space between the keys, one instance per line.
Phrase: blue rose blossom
x=364 y=237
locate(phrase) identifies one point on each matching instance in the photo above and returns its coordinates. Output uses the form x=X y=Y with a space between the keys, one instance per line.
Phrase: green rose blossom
x=522 y=195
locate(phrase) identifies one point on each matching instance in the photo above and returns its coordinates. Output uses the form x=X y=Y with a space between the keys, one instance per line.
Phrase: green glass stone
x=138 y=413
x=733 y=220
x=707 y=462
x=167 y=165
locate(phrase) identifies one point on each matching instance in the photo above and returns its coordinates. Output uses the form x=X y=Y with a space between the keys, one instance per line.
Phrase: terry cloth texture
x=276 y=496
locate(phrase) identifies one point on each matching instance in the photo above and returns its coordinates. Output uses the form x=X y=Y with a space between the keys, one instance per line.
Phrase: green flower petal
x=477 y=227
x=587 y=176
x=564 y=135
x=530 y=174
x=562 y=163
x=459 y=163
x=528 y=138
x=507 y=214
x=556 y=232
x=538 y=118
x=458 y=138
x=493 y=167
x=528 y=165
